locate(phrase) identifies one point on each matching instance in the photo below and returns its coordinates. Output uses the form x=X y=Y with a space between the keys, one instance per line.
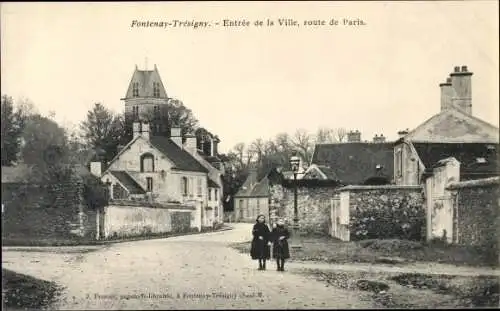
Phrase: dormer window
x=135 y=89
x=156 y=89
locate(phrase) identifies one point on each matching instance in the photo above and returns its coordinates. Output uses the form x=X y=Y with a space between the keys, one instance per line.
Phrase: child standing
x=281 y=251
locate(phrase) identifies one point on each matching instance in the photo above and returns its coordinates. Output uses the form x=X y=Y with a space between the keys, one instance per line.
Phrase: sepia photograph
x=250 y=155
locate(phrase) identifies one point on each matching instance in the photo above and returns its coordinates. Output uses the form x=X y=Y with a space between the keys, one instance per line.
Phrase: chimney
x=379 y=139
x=462 y=87
x=136 y=128
x=354 y=136
x=145 y=130
x=190 y=144
x=215 y=144
x=447 y=94
x=96 y=168
x=176 y=136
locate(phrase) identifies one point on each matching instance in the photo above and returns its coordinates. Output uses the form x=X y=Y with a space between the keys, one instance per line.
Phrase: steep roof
x=128 y=182
x=353 y=163
x=466 y=153
x=248 y=185
x=454 y=126
x=261 y=189
x=182 y=159
x=145 y=79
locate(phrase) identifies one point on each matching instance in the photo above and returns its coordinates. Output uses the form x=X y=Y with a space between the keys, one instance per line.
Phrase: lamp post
x=295 y=162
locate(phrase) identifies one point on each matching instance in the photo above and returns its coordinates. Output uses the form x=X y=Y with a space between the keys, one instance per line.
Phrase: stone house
x=163 y=162
x=162 y=169
x=253 y=198
x=453 y=132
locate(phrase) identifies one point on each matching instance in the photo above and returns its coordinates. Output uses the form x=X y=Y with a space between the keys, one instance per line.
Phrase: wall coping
x=380 y=187
x=483 y=182
x=151 y=204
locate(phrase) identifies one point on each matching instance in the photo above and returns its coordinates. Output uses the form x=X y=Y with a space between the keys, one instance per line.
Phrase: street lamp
x=295 y=162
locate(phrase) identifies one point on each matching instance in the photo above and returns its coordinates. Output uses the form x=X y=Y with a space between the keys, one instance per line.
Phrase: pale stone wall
x=135 y=219
x=411 y=170
x=247 y=209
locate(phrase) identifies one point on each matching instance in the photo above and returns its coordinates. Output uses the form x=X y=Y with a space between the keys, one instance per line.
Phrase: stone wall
x=477 y=207
x=385 y=212
x=46 y=212
x=313 y=204
x=130 y=218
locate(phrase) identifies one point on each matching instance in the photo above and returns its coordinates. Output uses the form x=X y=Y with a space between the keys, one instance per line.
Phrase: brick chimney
x=379 y=139
x=461 y=84
x=96 y=168
x=176 y=136
x=145 y=130
x=354 y=136
x=215 y=145
x=447 y=94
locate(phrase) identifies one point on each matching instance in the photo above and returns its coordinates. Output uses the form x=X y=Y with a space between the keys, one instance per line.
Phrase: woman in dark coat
x=281 y=251
x=261 y=249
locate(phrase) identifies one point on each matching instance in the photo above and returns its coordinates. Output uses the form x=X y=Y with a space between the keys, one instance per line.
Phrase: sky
x=244 y=83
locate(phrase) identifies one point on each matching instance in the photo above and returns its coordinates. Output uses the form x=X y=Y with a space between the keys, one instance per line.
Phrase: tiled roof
x=261 y=189
x=248 y=185
x=128 y=182
x=354 y=163
x=145 y=79
x=181 y=158
x=466 y=153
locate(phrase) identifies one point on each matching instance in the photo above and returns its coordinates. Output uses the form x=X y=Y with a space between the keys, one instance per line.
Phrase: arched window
x=135 y=89
x=147 y=163
x=184 y=186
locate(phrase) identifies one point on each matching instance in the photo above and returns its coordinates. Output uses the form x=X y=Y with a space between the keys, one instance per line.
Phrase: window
x=147 y=163
x=184 y=185
x=156 y=110
x=198 y=187
x=399 y=163
x=149 y=180
x=156 y=89
x=216 y=197
x=135 y=111
x=258 y=206
x=209 y=194
x=135 y=89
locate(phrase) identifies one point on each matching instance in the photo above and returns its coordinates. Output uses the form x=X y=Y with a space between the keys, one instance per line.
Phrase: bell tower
x=146 y=100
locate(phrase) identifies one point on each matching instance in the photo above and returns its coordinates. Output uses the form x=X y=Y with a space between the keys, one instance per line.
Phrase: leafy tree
x=45 y=147
x=12 y=126
x=102 y=130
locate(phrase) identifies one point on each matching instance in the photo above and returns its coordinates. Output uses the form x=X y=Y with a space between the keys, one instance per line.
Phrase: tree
x=257 y=147
x=181 y=116
x=45 y=147
x=340 y=133
x=325 y=135
x=102 y=130
x=239 y=150
x=304 y=144
x=12 y=126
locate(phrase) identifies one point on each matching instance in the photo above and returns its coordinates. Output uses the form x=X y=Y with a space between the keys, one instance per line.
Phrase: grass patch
x=21 y=291
x=53 y=242
x=330 y=250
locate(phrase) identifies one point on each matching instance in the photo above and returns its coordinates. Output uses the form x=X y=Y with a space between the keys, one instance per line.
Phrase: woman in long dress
x=260 y=248
x=281 y=251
